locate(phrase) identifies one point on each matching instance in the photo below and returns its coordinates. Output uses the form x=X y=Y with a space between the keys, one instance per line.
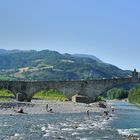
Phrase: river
x=126 y=119
x=72 y=126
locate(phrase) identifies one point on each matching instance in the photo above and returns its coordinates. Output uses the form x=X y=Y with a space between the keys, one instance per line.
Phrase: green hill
x=51 y=65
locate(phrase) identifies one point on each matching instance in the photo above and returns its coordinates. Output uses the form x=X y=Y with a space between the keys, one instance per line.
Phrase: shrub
x=117 y=93
x=134 y=95
x=99 y=98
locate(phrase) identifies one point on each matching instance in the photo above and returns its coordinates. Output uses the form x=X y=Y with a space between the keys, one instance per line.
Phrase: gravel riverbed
x=39 y=107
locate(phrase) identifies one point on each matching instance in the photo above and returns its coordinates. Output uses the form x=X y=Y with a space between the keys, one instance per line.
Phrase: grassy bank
x=50 y=95
x=6 y=95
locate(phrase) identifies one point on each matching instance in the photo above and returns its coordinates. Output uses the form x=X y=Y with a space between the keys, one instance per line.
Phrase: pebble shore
x=39 y=107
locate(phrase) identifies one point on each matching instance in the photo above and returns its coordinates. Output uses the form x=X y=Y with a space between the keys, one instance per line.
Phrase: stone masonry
x=89 y=88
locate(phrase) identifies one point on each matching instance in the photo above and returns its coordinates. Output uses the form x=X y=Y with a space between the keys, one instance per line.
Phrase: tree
x=117 y=93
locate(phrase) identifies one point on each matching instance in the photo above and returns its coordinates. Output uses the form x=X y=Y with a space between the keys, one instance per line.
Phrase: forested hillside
x=51 y=65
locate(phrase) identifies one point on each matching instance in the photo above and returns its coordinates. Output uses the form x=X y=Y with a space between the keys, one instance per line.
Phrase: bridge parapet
x=89 y=88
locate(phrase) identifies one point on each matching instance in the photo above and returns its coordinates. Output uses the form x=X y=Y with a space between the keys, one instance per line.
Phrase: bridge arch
x=108 y=84
x=124 y=86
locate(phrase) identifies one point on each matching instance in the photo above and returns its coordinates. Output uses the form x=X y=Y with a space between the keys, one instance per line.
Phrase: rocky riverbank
x=132 y=137
x=47 y=107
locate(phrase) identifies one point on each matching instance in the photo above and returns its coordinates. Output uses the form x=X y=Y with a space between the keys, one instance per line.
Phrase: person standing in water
x=47 y=106
x=88 y=115
x=87 y=112
x=113 y=109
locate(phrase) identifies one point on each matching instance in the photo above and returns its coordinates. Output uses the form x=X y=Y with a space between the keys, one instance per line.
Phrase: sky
x=108 y=29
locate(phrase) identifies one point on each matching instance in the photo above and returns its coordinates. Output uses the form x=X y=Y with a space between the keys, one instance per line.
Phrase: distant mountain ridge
x=3 y=51
x=89 y=56
x=51 y=65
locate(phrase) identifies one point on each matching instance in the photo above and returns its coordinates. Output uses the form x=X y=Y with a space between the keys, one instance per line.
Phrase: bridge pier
x=20 y=97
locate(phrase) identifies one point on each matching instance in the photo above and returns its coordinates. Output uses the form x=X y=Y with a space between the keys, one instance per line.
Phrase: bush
x=134 y=95
x=6 y=95
x=99 y=98
x=117 y=93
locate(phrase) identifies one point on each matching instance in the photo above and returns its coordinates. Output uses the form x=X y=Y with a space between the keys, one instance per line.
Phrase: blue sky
x=108 y=29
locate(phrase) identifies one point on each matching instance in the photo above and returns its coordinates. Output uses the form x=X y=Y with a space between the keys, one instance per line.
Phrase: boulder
x=102 y=105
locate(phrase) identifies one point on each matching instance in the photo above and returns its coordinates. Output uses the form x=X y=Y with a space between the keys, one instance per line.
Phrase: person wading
x=47 y=106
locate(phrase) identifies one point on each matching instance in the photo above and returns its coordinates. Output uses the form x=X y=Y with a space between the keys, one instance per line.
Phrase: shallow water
x=126 y=119
x=72 y=126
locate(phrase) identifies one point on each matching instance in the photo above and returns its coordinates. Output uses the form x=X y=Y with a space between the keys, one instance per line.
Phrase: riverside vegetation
x=133 y=94
x=6 y=95
x=117 y=93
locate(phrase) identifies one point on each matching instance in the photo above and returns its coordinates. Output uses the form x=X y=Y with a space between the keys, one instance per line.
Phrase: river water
x=70 y=126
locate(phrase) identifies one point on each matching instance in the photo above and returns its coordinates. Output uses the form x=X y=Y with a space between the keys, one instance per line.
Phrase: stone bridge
x=89 y=88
